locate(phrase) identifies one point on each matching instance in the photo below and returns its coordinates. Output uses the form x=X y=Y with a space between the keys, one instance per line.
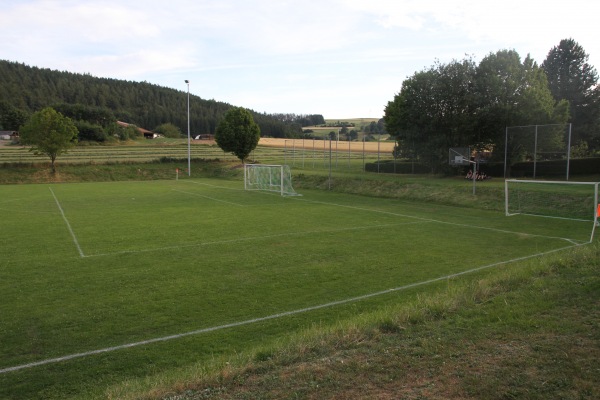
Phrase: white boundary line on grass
x=237 y=240
x=273 y=316
x=68 y=224
x=573 y=241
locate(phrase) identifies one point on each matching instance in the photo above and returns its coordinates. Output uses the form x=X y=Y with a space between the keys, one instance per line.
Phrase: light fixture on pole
x=188 y=129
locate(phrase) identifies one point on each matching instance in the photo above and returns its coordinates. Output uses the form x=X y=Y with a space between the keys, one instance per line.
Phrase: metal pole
x=302 y=151
x=329 y=183
x=378 y=150
x=314 y=153
x=349 y=153
x=474 y=173
x=505 y=151
x=337 y=140
x=364 y=165
x=569 y=152
x=188 y=130
x=535 y=151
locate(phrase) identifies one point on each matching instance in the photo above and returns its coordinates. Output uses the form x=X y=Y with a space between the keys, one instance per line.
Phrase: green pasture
x=316 y=156
x=105 y=282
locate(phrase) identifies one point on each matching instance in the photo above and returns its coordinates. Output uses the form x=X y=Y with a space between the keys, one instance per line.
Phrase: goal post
x=272 y=178
x=576 y=201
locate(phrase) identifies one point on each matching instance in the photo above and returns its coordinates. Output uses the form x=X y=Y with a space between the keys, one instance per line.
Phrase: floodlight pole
x=188 y=129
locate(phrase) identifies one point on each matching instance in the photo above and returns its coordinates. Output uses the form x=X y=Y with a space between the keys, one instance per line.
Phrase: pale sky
x=339 y=58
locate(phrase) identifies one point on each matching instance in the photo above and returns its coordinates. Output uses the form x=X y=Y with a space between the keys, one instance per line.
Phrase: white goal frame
x=593 y=212
x=269 y=177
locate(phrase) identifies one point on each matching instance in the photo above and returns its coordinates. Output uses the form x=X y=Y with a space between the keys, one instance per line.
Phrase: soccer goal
x=577 y=201
x=273 y=178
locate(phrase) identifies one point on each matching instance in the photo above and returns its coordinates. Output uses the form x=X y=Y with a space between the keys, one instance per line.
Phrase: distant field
x=102 y=282
x=310 y=153
x=319 y=145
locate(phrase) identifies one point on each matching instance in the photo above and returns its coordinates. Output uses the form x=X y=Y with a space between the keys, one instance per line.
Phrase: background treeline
x=97 y=103
x=469 y=104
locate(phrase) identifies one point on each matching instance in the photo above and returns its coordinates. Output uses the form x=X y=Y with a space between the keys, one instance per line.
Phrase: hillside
x=29 y=89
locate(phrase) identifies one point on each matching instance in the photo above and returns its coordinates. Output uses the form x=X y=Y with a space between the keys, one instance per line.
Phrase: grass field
x=104 y=282
x=310 y=154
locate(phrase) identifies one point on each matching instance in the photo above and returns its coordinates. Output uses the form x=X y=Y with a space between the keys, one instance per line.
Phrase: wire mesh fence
x=297 y=153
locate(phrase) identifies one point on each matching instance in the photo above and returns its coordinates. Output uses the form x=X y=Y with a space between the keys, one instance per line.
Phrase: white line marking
x=270 y=317
x=68 y=224
x=444 y=222
x=214 y=186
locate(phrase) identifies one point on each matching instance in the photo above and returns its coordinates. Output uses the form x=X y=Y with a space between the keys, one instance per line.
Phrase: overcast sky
x=338 y=58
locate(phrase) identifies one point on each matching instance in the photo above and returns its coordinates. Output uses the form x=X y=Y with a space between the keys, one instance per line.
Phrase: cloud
x=276 y=53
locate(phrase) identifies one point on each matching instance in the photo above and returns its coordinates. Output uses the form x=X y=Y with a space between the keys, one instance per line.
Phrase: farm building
x=147 y=134
x=9 y=135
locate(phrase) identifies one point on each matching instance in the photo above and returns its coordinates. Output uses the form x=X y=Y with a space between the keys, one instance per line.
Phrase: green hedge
x=578 y=166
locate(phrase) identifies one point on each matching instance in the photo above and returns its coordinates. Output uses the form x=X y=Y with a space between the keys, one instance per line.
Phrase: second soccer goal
x=273 y=178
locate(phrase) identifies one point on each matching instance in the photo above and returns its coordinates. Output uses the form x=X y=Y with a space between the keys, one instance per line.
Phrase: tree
x=464 y=104
x=511 y=92
x=572 y=78
x=11 y=118
x=237 y=133
x=433 y=112
x=168 y=130
x=49 y=133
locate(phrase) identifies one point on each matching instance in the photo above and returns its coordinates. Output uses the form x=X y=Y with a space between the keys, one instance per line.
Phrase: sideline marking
x=273 y=316
x=68 y=224
x=573 y=241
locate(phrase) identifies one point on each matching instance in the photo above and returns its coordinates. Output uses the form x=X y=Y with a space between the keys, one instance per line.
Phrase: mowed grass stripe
x=56 y=304
x=270 y=317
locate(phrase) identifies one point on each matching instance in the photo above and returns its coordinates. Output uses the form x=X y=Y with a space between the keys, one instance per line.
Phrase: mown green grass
x=526 y=331
x=89 y=266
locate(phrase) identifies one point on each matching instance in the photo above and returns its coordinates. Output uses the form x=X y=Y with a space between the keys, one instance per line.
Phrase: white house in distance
x=9 y=135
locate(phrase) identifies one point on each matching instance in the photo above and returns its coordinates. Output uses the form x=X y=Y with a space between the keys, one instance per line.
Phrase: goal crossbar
x=272 y=178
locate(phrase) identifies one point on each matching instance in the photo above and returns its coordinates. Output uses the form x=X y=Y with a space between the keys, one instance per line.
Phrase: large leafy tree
x=11 y=118
x=168 y=130
x=49 y=133
x=433 y=112
x=572 y=78
x=237 y=133
x=512 y=93
x=461 y=104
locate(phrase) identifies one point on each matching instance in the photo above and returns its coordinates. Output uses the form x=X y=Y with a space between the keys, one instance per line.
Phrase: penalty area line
x=275 y=316
x=68 y=224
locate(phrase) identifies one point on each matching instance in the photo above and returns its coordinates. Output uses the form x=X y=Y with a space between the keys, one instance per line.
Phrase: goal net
x=576 y=201
x=273 y=178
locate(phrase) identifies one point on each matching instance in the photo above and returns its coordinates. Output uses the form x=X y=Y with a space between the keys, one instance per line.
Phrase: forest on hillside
x=25 y=89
